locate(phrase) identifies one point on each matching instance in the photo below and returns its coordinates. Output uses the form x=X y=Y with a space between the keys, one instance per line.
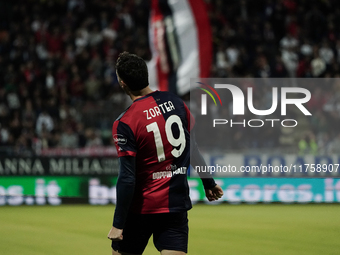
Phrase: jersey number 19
x=179 y=142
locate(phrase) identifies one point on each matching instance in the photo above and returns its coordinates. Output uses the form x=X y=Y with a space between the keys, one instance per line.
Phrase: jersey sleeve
x=125 y=190
x=124 y=139
x=190 y=118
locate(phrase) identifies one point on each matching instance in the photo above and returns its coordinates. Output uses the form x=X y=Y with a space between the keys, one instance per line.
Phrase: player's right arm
x=125 y=189
x=126 y=149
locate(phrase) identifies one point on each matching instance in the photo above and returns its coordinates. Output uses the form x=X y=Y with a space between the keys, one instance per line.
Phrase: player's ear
x=123 y=85
x=120 y=81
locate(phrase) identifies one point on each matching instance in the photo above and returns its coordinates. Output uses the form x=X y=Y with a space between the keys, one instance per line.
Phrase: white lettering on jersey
x=169 y=174
x=147 y=115
x=156 y=111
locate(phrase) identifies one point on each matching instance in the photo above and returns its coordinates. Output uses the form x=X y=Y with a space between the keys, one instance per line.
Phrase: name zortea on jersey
x=156 y=110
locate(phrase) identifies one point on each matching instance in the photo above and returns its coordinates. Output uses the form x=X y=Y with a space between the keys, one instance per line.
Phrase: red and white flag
x=180 y=42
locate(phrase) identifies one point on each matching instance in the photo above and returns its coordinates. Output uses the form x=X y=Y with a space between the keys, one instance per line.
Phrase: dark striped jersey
x=156 y=130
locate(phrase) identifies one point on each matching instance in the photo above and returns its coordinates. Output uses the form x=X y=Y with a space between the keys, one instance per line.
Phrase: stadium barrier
x=92 y=180
x=57 y=190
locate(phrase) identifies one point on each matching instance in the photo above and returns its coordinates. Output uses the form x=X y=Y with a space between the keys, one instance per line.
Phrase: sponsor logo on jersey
x=169 y=174
x=171 y=167
x=119 y=139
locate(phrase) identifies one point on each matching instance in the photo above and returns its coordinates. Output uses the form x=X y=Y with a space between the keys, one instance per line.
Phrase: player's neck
x=140 y=93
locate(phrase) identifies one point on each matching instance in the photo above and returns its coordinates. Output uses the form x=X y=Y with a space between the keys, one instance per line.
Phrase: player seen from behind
x=152 y=138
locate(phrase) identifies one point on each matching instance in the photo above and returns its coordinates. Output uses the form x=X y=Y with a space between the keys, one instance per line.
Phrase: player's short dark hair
x=132 y=70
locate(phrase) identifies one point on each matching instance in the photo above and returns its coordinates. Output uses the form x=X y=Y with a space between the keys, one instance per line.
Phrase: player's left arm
x=213 y=191
x=125 y=190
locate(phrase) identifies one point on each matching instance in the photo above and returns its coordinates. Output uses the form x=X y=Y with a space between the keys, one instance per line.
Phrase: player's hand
x=214 y=193
x=115 y=234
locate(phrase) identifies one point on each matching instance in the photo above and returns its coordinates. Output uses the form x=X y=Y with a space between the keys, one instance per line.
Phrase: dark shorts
x=170 y=232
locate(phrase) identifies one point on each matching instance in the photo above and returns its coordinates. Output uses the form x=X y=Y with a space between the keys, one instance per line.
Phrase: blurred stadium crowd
x=58 y=87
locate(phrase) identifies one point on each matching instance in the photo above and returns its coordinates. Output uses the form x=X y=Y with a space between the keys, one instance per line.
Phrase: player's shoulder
x=130 y=115
x=123 y=124
x=122 y=115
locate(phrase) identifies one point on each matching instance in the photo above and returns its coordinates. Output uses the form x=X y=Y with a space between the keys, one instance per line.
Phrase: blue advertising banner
x=268 y=190
x=57 y=190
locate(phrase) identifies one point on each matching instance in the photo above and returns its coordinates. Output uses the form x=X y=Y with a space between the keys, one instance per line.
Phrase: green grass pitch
x=218 y=229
